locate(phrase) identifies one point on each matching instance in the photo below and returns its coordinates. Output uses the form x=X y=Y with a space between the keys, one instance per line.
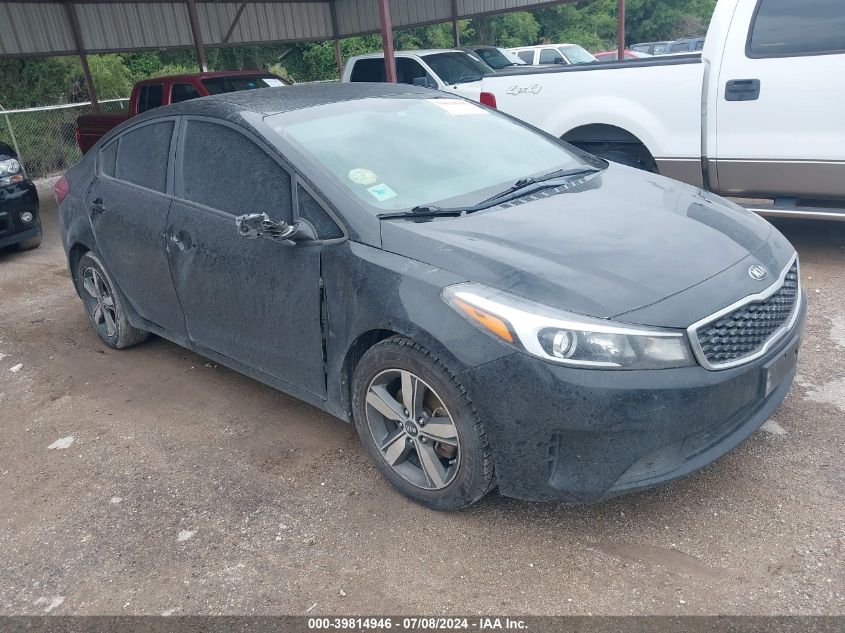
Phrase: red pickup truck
x=152 y=93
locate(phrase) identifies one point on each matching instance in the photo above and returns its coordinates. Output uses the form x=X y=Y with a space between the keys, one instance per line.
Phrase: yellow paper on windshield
x=458 y=107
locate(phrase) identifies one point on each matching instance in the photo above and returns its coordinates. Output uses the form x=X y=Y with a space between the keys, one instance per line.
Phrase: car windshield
x=397 y=153
x=576 y=55
x=497 y=58
x=457 y=67
x=219 y=85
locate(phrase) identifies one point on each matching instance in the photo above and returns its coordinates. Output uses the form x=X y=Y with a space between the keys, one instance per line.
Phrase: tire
x=104 y=304
x=389 y=431
x=33 y=242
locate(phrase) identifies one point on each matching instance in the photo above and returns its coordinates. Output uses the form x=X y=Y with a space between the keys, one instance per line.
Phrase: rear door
x=779 y=103
x=128 y=206
x=256 y=301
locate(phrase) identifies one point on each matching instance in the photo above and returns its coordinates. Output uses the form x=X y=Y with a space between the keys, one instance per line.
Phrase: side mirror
x=254 y=225
x=425 y=82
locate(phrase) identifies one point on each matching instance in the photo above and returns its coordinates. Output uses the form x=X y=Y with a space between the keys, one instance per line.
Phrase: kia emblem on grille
x=758 y=272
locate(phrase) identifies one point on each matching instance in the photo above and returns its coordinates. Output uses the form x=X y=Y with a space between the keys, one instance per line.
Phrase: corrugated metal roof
x=42 y=27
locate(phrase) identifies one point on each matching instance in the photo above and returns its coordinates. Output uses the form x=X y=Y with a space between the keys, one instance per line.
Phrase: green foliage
x=591 y=23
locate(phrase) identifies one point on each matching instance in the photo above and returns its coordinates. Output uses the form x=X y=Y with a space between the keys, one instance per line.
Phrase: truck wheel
x=104 y=305
x=420 y=427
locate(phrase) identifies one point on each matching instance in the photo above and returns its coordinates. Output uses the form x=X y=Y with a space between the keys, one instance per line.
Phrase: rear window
x=785 y=28
x=142 y=155
x=149 y=97
x=220 y=85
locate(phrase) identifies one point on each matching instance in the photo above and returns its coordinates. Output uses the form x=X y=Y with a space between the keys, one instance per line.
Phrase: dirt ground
x=187 y=488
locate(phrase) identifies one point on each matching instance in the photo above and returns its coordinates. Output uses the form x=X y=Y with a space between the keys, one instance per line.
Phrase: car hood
x=623 y=240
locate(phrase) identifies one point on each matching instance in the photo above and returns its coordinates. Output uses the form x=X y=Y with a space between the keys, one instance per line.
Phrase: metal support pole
x=387 y=40
x=196 y=31
x=456 y=31
x=70 y=10
x=338 y=54
x=620 y=29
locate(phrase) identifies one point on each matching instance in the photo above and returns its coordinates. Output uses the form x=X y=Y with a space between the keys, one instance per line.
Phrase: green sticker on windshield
x=382 y=192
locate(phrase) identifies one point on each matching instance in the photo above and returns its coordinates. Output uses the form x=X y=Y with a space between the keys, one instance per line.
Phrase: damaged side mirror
x=255 y=225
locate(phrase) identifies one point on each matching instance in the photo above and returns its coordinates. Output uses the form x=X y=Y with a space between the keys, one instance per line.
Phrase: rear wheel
x=104 y=305
x=419 y=426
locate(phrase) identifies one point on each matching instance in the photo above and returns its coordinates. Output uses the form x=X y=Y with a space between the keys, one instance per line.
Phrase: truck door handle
x=97 y=205
x=742 y=90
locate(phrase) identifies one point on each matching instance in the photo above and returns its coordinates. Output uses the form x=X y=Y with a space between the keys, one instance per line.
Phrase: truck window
x=182 y=92
x=407 y=70
x=149 y=97
x=550 y=56
x=368 y=70
x=785 y=28
x=254 y=183
x=142 y=155
x=236 y=83
x=456 y=68
x=526 y=56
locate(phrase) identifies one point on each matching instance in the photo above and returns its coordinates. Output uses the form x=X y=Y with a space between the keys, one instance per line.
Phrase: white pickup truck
x=757 y=115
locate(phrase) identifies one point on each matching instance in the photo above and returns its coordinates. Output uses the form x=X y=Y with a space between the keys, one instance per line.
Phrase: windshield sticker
x=363 y=176
x=272 y=82
x=382 y=192
x=458 y=107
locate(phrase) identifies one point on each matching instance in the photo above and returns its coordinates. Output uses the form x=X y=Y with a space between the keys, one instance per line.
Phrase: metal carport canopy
x=30 y=28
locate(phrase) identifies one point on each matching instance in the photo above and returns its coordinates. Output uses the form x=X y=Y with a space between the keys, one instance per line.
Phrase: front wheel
x=420 y=427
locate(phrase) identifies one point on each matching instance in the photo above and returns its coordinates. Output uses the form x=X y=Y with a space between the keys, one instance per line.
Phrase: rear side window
x=150 y=97
x=142 y=155
x=368 y=70
x=108 y=158
x=223 y=169
x=182 y=92
x=526 y=56
x=786 y=28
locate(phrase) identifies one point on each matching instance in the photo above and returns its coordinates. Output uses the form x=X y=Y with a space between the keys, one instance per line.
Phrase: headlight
x=9 y=169
x=565 y=337
x=9 y=166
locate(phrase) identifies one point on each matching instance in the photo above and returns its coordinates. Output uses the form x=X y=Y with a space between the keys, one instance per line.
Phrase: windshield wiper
x=524 y=183
x=521 y=187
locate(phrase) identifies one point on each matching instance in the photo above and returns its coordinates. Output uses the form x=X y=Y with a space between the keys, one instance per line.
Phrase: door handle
x=97 y=205
x=181 y=240
x=742 y=90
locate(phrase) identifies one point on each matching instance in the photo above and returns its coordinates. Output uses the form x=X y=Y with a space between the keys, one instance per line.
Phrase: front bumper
x=580 y=436
x=14 y=200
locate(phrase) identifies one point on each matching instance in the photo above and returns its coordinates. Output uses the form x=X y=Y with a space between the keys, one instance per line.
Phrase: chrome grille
x=745 y=332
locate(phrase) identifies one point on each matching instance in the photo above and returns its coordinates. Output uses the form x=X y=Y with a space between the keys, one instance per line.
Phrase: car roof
x=205 y=75
x=266 y=101
x=419 y=52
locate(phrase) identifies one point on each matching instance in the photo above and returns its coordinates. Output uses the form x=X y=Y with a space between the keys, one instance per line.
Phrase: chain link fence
x=45 y=137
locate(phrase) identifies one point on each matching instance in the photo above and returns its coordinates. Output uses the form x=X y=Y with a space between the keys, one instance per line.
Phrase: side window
x=223 y=169
x=311 y=211
x=182 y=92
x=784 y=28
x=368 y=70
x=150 y=97
x=526 y=56
x=142 y=155
x=699 y=45
x=108 y=158
x=407 y=70
x=550 y=56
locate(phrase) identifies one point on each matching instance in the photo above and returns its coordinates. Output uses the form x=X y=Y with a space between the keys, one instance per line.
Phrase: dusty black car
x=487 y=304
x=20 y=224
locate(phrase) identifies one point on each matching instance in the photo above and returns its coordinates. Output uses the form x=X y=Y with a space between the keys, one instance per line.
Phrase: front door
x=779 y=102
x=128 y=205
x=256 y=301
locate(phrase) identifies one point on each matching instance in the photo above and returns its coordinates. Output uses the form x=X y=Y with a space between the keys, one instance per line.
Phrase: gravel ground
x=150 y=481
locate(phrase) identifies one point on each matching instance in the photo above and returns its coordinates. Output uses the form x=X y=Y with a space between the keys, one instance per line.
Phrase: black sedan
x=489 y=305
x=20 y=224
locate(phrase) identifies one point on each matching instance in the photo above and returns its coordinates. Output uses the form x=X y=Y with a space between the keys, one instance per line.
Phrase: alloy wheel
x=100 y=301
x=413 y=429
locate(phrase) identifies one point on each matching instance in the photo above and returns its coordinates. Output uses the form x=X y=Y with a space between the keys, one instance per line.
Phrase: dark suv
x=20 y=225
